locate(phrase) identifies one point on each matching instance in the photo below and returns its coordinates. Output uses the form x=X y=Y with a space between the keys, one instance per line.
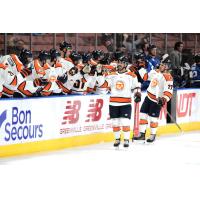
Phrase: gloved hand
x=137 y=97
x=63 y=78
x=161 y=101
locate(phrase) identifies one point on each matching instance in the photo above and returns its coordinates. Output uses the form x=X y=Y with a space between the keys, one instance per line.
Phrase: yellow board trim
x=56 y=144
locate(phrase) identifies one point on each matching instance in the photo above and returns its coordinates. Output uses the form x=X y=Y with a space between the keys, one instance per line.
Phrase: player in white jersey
x=74 y=82
x=13 y=67
x=3 y=75
x=159 y=93
x=33 y=82
x=122 y=83
x=25 y=57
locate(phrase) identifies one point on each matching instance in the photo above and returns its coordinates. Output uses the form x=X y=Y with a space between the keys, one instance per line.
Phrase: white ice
x=169 y=169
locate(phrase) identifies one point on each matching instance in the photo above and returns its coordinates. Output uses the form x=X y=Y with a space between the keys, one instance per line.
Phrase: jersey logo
x=119 y=85
x=154 y=83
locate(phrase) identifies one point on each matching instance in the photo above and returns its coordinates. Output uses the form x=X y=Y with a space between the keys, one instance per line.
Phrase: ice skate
x=126 y=143
x=151 y=138
x=117 y=143
x=141 y=136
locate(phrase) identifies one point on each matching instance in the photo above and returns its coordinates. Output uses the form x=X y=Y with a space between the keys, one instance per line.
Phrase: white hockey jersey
x=121 y=87
x=13 y=67
x=66 y=65
x=161 y=85
x=31 y=81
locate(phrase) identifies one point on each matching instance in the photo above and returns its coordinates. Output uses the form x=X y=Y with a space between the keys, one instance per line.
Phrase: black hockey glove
x=161 y=101
x=63 y=78
x=137 y=97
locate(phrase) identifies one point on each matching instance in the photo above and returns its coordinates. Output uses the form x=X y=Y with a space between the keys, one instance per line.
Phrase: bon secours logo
x=19 y=126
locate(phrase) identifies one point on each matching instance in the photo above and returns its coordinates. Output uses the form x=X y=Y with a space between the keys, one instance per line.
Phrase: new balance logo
x=71 y=115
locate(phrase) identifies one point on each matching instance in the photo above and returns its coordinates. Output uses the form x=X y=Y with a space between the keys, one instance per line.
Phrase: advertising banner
x=36 y=119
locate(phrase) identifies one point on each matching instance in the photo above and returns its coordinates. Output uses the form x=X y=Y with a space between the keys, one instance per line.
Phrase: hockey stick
x=174 y=121
x=135 y=125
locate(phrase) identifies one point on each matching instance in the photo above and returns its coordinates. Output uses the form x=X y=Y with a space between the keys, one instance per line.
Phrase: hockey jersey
x=121 y=86
x=195 y=75
x=13 y=66
x=161 y=85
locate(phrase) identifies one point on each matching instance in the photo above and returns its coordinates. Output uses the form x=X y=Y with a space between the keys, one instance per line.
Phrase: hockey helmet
x=25 y=56
x=139 y=55
x=54 y=54
x=75 y=56
x=86 y=57
x=97 y=54
x=43 y=55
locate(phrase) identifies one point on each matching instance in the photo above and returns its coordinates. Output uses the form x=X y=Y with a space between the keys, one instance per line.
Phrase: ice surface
x=168 y=169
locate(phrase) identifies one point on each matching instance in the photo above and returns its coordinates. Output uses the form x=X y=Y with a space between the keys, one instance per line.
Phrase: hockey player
x=33 y=76
x=159 y=93
x=140 y=64
x=25 y=57
x=152 y=62
x=121 y=84
x=3 y=75
x=13 y=67
x=78 y=84
x=195 y=72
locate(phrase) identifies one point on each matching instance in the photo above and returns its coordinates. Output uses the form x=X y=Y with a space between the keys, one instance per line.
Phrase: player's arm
x=168 y=90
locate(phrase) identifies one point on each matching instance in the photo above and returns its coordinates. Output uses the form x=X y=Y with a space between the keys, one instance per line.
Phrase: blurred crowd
x=64 y=71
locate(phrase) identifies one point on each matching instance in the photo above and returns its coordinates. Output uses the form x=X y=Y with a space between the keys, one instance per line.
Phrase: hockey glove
x=137 y=97
x=63 y=78
x=161 y=101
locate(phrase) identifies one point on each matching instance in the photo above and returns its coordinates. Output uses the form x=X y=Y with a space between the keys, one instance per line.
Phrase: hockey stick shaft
x=174 y=121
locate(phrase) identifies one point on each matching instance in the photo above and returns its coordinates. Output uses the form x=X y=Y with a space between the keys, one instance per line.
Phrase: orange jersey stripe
x=69 y=59
x=45 y=93
x=19 y=65
x=2 y=66
x=105 y=85
x=126 y=128
x=8 y=91
x=83 y=80
x=108 y=67
x=168 y=94
x=143 y=121
x=152 y=96
x=154 y=124
x=131 y=74
x=58 y=65
x=120 y=99
x=61 y=86
x=14 y=81
x=167 y=77
x=26 y=72
x=25 y=92
x=145 y=78
x=116 y=129
x=48 y=86
x=38 y=68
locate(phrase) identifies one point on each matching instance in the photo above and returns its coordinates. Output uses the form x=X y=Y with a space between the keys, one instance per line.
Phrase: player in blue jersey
x=195 y=72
